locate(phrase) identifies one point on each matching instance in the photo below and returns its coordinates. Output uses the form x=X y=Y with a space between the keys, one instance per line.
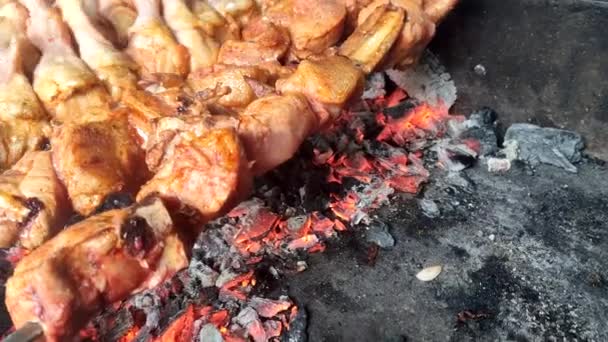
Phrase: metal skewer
x=30 y=332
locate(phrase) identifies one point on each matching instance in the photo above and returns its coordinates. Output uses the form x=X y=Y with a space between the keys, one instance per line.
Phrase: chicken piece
x=121 y=15
x=240 y=94
x=217 y=26
x=16 y=25
x=189 y=32
x=353 y=7
x=114 y=68
x=263 y=42
x=151 y=44
x=33 y=203
x=100 y=260
x=24 y=124
x=68 y=89
x=272 y=129
x=418 y=30
x=373 y=39
x=96 y=159
x=240 y=10
x=314 y=25
x=206 y=171
x=328 y=83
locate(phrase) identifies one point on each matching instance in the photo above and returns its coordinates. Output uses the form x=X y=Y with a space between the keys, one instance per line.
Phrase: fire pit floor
x=523 y=259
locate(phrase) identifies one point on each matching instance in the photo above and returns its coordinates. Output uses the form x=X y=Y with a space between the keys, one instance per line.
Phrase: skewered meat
x=93 y=263
x=121 y=15
x=235 y=78
x=33 y=203
x=95 y=159
x=68 y=89
x=219 y=27
x=151 y=44
x=240 y=10
x=205 y=170
x=373 y=39
x=189 y=32
x=314 y=25
x=329 y=83
x=115 y=69
x=23 y=123
x=93 y=151
x=272 y=129
x=418 y=29
x=263 y=42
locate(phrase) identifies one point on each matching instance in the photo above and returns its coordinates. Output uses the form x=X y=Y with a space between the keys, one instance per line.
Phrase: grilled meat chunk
x=33 y=202
x=94 y=263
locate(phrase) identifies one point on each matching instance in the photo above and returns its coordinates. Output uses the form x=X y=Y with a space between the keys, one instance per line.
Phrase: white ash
x=428 y=81
x=374 y=87
x=429 y=208
x=498 y=165
x=295 y=223
x=246 y=317
x=209 y=333
x=202 y=273
x=269 y=308
x=378 y=233
x=545 y=145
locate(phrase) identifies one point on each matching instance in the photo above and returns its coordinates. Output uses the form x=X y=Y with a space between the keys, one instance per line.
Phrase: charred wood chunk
x=138 y=236
x=35 y=206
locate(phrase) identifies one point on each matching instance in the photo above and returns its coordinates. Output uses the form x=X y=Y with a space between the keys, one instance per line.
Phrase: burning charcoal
x=226 y=276
x=429 y=208
x=269 y=308
x=428 y=81
x=202 y=273
x=374 y=87
x=297 y=328
x=272 y=328
x=378 y=234
x=294 y=224
x=498 y=165
x=551 y=146
x=248 y=319
x=305 y=242
x=209 y=333
x=150 y=304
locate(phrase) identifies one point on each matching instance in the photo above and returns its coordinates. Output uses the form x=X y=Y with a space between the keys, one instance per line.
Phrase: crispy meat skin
x=329 y=83
x=208 y=171
x=33 y=203
x=23 y=122
x=422 y=17
x=62 y=283
x=373 y=39
x=189 y=31
x=314 y=25
x=151 y=44
x=121 y=15
x=95 y=159
x=272 y=129
x=263 y=42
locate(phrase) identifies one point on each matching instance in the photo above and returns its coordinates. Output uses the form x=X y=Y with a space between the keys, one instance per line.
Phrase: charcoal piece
x=402 y=109
x=226 y=276
x=297 y=328
x=429 y=208
x=497 y=165
x=209 y=333
x=378 y=234
x=122 y=323
x=481 y=126
x=546 y=145
x=202 y=273
x=247 y=316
